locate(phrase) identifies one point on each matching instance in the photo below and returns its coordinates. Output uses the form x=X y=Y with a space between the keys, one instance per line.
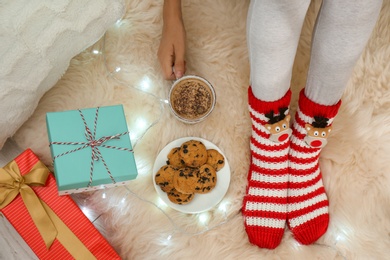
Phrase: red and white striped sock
x=265 y=203
x=307 y=208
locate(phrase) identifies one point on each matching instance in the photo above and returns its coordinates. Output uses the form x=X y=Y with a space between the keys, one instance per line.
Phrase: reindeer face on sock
x=279 y=125
x=317 y=132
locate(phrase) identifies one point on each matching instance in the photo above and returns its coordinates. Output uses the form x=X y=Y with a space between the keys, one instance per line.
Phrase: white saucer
x=201 y=202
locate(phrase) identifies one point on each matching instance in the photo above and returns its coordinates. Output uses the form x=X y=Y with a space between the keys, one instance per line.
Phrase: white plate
x=201 y=202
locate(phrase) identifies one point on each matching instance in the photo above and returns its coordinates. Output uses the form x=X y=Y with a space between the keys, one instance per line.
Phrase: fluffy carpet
x=123 y=69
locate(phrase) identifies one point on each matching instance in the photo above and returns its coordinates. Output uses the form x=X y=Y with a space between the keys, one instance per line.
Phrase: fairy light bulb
x=137 y=128
x=342 y=235
x=166 y=240
x=84 y=209
x=339 y=238
x=103 y=195
x=161 y=204
x=132 y=136
x=95 y=52
x=203 y=218
x=141 y=123
x=145 y=83
x=119 y=22
x=223 y=206
x=296 y=245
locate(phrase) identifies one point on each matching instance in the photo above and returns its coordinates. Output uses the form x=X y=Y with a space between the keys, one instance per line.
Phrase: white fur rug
x=355 y=163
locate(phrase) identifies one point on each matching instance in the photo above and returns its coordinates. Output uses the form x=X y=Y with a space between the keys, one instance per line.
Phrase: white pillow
x=38 y=38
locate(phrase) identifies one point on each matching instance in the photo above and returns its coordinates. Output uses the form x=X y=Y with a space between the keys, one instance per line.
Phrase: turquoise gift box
x=91 y=149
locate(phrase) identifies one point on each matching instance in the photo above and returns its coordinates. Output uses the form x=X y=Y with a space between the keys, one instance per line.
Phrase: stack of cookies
x=191 y=168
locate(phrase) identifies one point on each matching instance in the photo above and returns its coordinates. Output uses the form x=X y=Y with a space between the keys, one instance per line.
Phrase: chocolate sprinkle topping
x=191 y=99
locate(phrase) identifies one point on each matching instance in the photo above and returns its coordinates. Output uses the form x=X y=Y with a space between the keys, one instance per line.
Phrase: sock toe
x=311 y=231
x=264 y=237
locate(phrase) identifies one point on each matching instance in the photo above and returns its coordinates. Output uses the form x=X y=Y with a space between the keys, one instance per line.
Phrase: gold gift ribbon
x=49 y=225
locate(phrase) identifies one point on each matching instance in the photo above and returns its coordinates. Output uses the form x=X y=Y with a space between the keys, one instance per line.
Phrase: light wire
x=175 y=227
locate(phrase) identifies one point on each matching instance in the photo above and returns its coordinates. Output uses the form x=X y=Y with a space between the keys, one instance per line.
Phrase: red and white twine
x=94 y=144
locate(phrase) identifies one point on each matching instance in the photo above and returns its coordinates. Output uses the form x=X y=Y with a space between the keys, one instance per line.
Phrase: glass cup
x=191 y=99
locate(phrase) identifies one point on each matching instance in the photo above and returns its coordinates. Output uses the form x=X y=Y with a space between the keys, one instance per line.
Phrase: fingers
x=173 y=69
x=171 y=56
x=168 y=71
x=179 y=68
x=179 y=63
x=166 y=62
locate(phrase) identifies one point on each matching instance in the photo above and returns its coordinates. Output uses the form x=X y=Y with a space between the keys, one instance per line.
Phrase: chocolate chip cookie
x=179 y=198
x=193 y=153
x=186 y=179
x=174 y=158
x=207 y=179
x=215 y=159
x=164 y=177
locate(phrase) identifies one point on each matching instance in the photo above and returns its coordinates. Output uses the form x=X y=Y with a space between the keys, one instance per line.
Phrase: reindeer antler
x=320 y=122
x=274 y=119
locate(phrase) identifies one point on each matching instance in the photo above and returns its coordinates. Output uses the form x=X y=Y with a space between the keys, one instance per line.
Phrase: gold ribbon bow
x=12 y=183
x=49 y=225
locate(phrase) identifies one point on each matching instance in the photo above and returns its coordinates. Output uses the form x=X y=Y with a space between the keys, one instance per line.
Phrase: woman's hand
x=171 y=52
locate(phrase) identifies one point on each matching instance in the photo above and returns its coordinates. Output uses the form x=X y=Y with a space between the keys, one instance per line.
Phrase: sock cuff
x=311 y=109
x=268 y=106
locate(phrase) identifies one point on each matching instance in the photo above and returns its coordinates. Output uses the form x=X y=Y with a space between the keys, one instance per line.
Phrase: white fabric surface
x=354 y=163
x=38 y=38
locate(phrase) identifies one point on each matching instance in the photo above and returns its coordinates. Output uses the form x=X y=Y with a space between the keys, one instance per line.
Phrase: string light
x=141 y=123
x=167 y=240
x=339 y=237
x=85 y=210
x=119 y=22
x=204 y=218
x=223 y=206
x=133 y=136
x=161 y=205
x=145 y=83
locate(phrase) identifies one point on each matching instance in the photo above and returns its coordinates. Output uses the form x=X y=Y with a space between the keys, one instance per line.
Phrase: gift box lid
x=73 y=158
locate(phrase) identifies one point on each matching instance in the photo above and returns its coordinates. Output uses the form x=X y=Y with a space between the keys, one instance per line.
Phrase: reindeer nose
x=316 y=143
x=282 y=137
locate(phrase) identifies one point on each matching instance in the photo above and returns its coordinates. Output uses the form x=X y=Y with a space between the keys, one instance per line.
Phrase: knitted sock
x=265 y=203
x=307 y=208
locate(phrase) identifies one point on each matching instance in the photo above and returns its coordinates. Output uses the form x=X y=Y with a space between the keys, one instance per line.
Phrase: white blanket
x=354 y=163
x=38 y=38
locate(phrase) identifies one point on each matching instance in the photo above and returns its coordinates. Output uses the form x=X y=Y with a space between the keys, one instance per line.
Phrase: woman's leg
x=340 y=35
x=273 y=33
x=341 y=32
